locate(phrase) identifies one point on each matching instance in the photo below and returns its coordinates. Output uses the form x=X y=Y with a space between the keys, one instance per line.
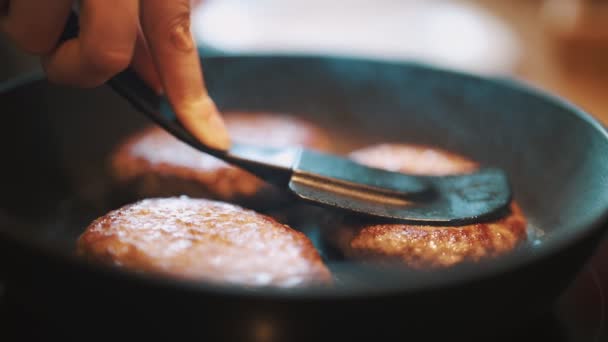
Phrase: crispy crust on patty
x=155 y=164
x=203 y=240
x=424 y=247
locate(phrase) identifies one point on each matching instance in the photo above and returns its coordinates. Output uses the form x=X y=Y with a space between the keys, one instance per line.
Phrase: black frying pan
x=55 y=143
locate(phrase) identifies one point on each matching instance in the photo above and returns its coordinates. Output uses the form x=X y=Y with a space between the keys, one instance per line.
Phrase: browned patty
x=419 y=246
x=203 y=240
x=155 y=164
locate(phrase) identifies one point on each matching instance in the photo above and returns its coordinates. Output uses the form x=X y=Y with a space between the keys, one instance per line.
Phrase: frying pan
x=55 y=143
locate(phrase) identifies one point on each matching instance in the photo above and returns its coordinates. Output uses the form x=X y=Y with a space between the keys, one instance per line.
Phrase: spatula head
x=438 y=200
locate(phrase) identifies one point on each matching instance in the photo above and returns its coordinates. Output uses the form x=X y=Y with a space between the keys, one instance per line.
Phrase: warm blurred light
x=577 y=33
x=577 y=19
x=446 y=33
x=263 y=331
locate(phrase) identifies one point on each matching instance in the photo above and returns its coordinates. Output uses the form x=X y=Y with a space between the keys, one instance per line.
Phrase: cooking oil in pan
x=535 y=235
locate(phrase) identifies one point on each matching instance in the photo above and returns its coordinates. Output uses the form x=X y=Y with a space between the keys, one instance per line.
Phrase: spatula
x=334 y=181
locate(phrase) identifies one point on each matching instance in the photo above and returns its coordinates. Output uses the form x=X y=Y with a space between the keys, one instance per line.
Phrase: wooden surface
x=576 y=70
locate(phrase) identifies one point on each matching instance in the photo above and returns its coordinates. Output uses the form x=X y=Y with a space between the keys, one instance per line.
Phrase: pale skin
x=152 y=36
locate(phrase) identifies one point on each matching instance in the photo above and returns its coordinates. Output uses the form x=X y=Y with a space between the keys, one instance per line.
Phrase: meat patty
x=153 y=163
x=419 y=246
x=413 y=159
x=203 y=240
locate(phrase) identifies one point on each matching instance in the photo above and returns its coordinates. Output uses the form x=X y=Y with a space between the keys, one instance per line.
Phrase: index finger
x=166 y=25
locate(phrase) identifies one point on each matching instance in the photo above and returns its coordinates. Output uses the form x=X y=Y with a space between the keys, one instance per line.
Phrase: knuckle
x=28 y=42
x=36 y=46
x=62 y=72
x=178 y=29
x=107 y=61
x=179 y=19
x=180 y=14
x=80 y=81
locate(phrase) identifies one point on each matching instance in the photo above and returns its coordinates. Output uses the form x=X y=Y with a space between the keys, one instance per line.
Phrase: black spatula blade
x=449 y=200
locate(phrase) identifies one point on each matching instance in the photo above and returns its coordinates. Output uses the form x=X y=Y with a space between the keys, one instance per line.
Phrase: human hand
x=152 y=36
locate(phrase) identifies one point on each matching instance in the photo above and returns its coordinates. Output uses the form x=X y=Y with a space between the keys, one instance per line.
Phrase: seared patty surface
x=203 y=240
x=419 y=246
x=152 y=163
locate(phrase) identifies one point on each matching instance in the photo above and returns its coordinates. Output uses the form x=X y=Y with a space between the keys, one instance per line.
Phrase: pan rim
x=569 y=237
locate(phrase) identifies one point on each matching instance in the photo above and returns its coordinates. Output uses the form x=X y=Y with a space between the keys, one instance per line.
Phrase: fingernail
x=206 y=124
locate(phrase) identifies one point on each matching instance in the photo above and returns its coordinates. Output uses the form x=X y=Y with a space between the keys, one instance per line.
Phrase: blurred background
x=558 y=45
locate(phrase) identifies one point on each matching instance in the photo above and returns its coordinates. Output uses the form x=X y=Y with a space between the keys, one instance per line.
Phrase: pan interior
x=55 y=171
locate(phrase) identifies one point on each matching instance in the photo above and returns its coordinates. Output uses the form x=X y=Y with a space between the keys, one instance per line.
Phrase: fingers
x=110 y=39
x=144 y=65
x=104 y=47
x=34 y=25
x=166 y=25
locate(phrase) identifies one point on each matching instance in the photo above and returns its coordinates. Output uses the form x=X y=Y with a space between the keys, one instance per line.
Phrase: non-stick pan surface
x=55 y=142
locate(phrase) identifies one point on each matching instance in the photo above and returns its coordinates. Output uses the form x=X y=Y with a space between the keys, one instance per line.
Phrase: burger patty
x=203 y=240
x=153 y=163
x=420 y=246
